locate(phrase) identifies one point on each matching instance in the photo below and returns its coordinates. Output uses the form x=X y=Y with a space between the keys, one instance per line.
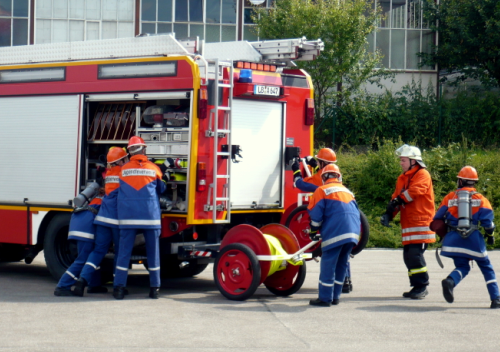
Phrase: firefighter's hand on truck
x=296 y=170
x=313 y=163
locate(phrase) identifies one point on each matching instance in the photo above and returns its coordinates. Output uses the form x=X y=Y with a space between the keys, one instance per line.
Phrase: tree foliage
x=343 y=25
x=469 y=38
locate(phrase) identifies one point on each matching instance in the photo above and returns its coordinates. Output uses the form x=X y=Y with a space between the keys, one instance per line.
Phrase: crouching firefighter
x=106 y=221
x=139 y=211
x=334 y=211
x=325 y=156
x=82 y=230
x=463 y=210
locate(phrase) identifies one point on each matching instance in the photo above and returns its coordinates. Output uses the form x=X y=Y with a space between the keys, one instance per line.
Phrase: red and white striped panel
x=201 y=254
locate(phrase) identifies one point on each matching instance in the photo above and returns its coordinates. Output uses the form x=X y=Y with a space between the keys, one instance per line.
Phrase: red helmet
x=327 y=155
x=115 y=154
x=332 y=169
x=135 y=141
x=468 y=173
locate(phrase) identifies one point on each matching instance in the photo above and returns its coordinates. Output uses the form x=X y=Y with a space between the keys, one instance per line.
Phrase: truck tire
x=59 y=252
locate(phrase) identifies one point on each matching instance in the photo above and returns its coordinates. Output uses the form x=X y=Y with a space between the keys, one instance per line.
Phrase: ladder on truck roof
x=218 y=130
x=280 y=51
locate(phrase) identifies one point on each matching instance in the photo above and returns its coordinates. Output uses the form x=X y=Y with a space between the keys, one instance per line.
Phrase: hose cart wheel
x=285 y=282
x=298 y=222
x=364 y=234
x=237 y=272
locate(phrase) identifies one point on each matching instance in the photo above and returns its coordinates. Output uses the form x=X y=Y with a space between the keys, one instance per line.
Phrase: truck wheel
x=286 y=289
x=237 y=272
x=59 y=252
x=170 y=268
x=298 y=221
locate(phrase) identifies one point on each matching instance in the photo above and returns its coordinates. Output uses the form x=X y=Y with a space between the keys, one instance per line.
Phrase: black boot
x=495 y=303
x=419 y=293
x=335 y=301
x=347 y=285
x=409 y=293
x=154 y=292
x=319 y=303
x=80 y=285
x=62 y=292
x=119 y=292
x=448 y=285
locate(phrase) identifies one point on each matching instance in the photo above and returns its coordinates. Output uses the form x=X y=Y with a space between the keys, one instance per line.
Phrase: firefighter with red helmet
x=139 y=211
x=414 y=199
x=333 y=212
x=106 y=220
x=81 y=230
x=325 y=156
x=463 y=210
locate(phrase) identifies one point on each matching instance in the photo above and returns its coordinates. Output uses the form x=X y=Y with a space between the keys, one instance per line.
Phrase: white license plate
x=266 y=90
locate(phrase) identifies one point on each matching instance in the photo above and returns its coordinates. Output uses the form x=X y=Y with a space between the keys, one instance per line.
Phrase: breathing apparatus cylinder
x=464 y=210
x=86 y=195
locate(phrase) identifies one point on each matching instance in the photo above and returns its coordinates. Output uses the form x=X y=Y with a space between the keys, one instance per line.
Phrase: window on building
x=76 y=20
x=248 y=26
x=402 y=33
x=212 y=20
x=14 y=24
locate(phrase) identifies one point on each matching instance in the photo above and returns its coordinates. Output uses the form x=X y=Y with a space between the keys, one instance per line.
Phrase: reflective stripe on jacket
x=334 y=209
x=140 y=185
x=108 y=214
x=415 y=188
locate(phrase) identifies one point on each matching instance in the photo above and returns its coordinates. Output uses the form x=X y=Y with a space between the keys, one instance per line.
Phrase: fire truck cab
x=227 y=119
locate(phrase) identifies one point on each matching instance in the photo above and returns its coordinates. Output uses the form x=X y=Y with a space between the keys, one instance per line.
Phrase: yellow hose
x=277 y=249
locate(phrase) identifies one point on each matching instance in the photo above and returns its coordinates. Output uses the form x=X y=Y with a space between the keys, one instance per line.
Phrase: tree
x=469 y=38
x=343 y=25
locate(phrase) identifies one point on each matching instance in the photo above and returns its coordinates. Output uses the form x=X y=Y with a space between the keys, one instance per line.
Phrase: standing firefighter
x=463 y=210
x=414 y=199
x=139 y=211
x=106 y=220
x=334 y=211
x=325 y=156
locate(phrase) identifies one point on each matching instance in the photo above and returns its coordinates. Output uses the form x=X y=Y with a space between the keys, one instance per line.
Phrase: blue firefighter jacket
x=81 y=224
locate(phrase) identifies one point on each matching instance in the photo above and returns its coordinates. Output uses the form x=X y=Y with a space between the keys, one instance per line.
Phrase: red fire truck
x=230 y=115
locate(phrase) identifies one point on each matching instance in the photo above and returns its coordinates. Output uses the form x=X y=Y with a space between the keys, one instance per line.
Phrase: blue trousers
x=71 y=275
x=333 y=268
x=103 y=237
x=127 y=238
x=462 y=268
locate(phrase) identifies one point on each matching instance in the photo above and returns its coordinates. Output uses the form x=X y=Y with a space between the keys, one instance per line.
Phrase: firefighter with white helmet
x=414 y=199
x=334 y=211
x=139 y=211
x=106 y=220
x=463 y=210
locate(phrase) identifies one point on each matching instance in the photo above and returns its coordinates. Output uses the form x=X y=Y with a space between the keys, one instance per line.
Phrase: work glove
x=169 y=162
x=313 y=163
x=490 y=236
x=385 y=219
x=296 y=170
x=314 y=235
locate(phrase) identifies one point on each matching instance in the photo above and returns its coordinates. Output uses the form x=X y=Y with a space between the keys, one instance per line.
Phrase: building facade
x=401 y=34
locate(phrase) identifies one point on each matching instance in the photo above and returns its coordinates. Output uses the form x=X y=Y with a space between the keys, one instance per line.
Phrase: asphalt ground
x=191 y=314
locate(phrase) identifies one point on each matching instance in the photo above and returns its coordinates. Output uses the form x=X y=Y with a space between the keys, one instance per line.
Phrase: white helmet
x=410 y=152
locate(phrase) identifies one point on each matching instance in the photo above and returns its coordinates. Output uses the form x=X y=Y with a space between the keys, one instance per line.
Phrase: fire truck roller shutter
x=257 y=127
x=41 y=137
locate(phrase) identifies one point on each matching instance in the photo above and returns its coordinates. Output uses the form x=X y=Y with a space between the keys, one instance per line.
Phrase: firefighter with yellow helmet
x=335 y=219
x=463 y=211
x=414 y=200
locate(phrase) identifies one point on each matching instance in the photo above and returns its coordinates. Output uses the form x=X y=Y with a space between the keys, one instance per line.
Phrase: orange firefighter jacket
x=414 y=187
